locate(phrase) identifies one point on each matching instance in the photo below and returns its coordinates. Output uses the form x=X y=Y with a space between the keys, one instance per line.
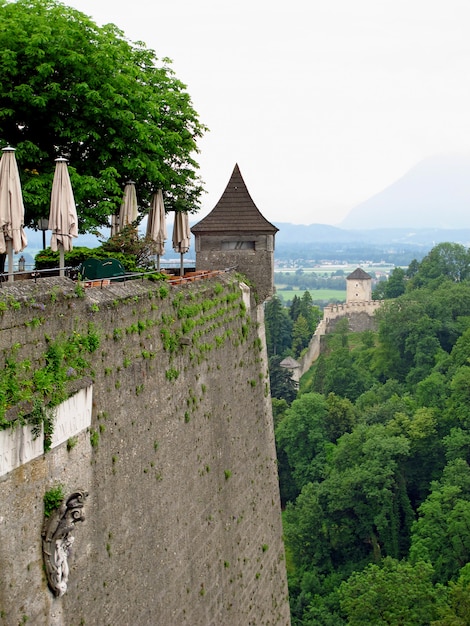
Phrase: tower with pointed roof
x=358 y=286
x=235 y=234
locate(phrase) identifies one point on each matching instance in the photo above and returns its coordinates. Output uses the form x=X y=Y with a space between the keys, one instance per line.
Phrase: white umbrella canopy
x=12 y=236
x=128 y=212
x=63 y=221
x=181 y=235
x=156 y=224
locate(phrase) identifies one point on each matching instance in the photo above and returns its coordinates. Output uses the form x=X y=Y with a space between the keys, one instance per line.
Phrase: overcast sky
x=321 y=104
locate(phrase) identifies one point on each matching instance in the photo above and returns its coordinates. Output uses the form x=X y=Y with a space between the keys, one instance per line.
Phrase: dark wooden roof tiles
x=359 y=274
x=234 y=212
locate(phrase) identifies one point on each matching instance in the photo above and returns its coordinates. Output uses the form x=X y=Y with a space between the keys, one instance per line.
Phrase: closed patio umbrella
x=63 y=221
x=156 y=225
x=128 y=212
x=12 y=236
x=181 y=236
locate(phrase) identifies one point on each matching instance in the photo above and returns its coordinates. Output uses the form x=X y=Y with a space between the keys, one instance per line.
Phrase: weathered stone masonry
x=182 y=521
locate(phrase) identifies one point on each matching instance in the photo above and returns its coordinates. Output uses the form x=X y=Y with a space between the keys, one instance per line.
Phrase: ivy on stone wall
x=33 y=389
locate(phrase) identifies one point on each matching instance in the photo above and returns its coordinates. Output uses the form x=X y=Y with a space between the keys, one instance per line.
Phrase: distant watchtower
x=235 y=234
x=358 y=286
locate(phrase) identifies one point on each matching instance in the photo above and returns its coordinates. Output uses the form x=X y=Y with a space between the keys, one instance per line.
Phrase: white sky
x=322 y=104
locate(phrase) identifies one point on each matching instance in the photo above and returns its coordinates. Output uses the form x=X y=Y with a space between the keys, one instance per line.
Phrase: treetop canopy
x=71 y=88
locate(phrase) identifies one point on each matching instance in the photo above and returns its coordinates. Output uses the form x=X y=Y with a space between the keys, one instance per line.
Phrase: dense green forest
x=374 y=453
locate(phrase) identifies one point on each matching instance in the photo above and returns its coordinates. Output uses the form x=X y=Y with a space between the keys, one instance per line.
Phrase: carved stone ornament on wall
x=57 y=540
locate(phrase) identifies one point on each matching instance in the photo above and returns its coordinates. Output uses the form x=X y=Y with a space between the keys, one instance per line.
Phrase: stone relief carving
x=57 y=540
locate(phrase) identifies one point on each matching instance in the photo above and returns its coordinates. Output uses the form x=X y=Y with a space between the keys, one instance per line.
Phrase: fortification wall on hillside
x=360 y=316
x=183 y=513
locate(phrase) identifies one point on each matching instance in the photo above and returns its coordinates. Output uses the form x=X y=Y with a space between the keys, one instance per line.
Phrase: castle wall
x=252 y=255
x=183 y=514
x=360 y=316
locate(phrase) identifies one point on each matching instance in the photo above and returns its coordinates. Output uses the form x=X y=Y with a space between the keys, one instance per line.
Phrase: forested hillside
x=374 y=455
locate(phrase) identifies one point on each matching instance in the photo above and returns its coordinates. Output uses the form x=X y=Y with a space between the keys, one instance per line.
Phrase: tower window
x=238 y=245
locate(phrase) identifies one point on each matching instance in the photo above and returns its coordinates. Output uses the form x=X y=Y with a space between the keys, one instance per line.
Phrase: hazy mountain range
x=428 y=205
x=433 y=194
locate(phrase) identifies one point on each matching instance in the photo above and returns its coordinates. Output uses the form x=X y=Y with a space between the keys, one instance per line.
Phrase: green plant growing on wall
x=171 y=374
x=227 y=474
x=170 y=340
x=13 y=303
x=79 y=290
x=53 y=498
x=54 y=294
x=35 y=322
x=94 y=438
x=71 y=443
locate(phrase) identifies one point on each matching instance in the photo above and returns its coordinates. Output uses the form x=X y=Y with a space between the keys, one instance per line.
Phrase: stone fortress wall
x=169 y=431
x=360 y=316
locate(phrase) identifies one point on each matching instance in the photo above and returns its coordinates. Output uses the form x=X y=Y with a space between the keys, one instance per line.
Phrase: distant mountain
x=433 y=194
x=320 y=233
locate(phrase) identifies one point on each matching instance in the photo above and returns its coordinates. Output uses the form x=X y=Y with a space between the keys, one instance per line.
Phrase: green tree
x=301 y=435
x=309 y=311
x=343 y=377
x=279 y=407
x=458 y=404
x=70 y=88
x=278 y=327
x=341 y=417
x=281 y=382
x=441 y=534
x=393 y=593
x=359 y=512
x=393 y=287
x=294 y=309
x=456 y=612
x=301 y=335
x=445 y=261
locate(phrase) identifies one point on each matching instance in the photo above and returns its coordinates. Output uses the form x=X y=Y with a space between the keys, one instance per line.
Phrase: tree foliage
x=71 y=88
x=391 y=594
x=376 y=456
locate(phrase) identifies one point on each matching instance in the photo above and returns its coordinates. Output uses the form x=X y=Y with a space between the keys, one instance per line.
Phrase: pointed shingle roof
x=234 y=212
x=359 y=274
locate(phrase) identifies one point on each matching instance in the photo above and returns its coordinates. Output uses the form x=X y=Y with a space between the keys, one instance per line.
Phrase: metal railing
x=72 y=273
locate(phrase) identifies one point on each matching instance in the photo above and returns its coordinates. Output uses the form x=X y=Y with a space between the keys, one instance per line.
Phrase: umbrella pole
x=61 y=260
x=182 y=264
x=158 y=262
x=10 y=260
